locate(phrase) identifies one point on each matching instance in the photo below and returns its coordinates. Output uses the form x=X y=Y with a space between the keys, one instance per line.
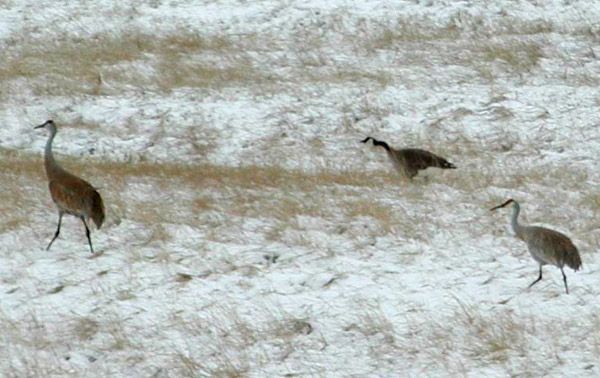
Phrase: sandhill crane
x=409 y=161
x=546 y=246
x=71 y=194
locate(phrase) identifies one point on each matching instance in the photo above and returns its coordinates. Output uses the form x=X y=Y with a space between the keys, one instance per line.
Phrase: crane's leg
x=87 y=233
x=565 y=280
x=538 y=279
x=60 y=214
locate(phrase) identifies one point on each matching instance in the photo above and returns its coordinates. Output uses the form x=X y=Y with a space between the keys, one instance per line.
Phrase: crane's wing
x=77 y=197
x=66 y=197
x=421 y=159
x=97 y=209
x=556 y=247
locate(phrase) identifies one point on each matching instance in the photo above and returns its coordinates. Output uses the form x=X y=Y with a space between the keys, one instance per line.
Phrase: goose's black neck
x=380 y=143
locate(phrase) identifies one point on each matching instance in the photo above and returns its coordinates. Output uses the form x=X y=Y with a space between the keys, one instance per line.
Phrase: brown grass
x=246 y=177
x=348 y=75
x=88 y=65
x=19 y=185
x=280 y=207
x=372 y=321
x=521 y=56
x=469 y=335
x=108 y=62
x=233 y=192
x=408 y=31
x=114 y=326
x=178 y=70
x=80 y=124
x=382 y=214
x=85 y=328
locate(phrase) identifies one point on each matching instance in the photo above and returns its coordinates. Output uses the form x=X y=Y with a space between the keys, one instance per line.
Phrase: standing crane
x=546 y=246
x=71 y=194
x=409 y=161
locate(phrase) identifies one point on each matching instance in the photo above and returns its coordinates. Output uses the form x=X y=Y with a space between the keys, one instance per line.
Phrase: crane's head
x=366 y=140
x=48 y=125
x=509 y=201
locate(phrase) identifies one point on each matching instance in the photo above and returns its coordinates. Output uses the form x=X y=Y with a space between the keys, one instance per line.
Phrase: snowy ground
x=250 y=234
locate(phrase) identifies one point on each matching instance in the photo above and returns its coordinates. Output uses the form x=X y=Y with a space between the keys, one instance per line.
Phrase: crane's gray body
x=546 y=246
x=71 y=194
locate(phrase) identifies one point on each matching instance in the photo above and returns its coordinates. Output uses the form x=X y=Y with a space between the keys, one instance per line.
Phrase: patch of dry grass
x=372 y=321
x=112 y=62
x=463 y=40
x=409 y=31
x=226 y=194
x=178 y=70
x=30 y=347
x=86 y=65
x=80 y=124
x=469 y=336
x=19 y=183
x=340 y=75
x=247 y=177
x=281 y=207
x=591 y=201
x=85 y=328
x=99 y=62
x=382 y=214
x=498 y=336
x=504 y=339
x=113 y=326
x=520 y=56
x=234 y=342
x=512 y=26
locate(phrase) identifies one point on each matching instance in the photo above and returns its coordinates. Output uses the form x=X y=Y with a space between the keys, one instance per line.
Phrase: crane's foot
x=56 y=233
x=565 y=280
x=95 y=255
x=538 y=279
x=52 y=241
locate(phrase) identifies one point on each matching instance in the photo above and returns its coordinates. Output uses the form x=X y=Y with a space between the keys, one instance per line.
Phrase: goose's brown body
x=409 y=161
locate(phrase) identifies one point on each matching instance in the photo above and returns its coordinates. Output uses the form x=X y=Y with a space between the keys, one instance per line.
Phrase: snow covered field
x=248 y=231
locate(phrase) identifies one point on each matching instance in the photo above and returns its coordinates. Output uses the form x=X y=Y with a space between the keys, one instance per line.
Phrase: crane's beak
x=502 y=205
x=40 y=126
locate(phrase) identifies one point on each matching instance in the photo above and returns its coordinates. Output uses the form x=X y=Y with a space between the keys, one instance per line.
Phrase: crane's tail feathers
x=97 y=209
x=573 y=261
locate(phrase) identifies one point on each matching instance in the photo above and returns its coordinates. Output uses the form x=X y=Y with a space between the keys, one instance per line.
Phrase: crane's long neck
x=51 y=166
x=517 y=228
x=382 y=144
